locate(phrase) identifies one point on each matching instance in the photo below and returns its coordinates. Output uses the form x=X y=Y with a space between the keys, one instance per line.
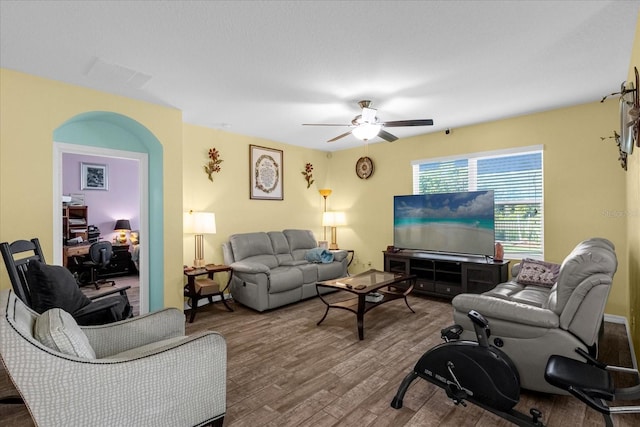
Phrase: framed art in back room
x=266 y=173
x=94 y=176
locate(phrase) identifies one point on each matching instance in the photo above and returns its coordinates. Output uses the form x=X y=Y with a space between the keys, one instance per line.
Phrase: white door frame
x=59 y=148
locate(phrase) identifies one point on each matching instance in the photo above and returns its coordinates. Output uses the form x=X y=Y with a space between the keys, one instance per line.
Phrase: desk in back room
x=81 y=249
x=120 y=259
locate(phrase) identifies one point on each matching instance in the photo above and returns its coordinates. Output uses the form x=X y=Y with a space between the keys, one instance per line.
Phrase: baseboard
x=611 y=318
x=205 y=301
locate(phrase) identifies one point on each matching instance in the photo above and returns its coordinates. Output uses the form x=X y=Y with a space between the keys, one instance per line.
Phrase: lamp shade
x=366 y=131
x=200 y=222
x=325 y=192
x=333 y=219
x=122 y=224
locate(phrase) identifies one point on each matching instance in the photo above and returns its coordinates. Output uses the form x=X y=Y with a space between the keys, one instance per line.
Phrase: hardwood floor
x=283 y=370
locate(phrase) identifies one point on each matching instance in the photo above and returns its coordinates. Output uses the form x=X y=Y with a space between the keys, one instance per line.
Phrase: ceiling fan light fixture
x=366 y=131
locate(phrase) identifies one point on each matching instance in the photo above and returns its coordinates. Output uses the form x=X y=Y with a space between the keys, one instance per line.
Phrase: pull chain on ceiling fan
x=366 y=125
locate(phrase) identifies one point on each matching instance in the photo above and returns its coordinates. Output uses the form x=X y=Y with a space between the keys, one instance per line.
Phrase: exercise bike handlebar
x=481 y=326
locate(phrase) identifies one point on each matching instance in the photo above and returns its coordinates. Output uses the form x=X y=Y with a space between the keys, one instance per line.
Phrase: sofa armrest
x=126 y=334
x=162 y=383
x=497 y=308
x=249 y=267
x=339 y=255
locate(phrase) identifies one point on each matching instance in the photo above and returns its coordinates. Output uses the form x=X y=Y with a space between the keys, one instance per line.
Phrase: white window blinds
x=515 y=176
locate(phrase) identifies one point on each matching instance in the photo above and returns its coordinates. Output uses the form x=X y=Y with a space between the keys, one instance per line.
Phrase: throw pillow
x=58 y=330
x=540 y=273
x=53 y=286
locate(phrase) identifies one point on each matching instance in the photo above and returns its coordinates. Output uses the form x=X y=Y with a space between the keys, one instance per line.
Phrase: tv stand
x=447 y=275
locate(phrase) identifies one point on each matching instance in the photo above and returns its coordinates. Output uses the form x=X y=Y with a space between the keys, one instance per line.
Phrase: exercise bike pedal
x=456 y=394
x=451 y=333
x=536 y=416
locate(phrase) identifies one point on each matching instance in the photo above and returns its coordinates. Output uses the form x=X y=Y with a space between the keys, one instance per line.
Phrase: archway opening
x=112 y=134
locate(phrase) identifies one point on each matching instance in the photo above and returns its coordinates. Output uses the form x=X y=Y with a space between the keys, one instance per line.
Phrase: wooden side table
x=205 y=288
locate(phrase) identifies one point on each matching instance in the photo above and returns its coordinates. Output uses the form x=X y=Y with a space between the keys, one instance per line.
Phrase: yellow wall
x=584 y=183
x=633 y=217
x=228 y=194
x=31 y=108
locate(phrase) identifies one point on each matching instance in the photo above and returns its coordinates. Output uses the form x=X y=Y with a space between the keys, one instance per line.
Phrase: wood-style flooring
x=283 y=370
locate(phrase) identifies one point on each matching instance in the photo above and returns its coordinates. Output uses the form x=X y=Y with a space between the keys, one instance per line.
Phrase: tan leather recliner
x=531 y=323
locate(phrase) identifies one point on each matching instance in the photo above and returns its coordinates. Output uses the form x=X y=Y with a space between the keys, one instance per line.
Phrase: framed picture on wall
x=94 y=176
x=266 y=171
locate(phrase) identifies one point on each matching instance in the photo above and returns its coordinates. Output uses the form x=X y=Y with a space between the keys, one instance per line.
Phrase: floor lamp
x=199 y=223
x=325 y=192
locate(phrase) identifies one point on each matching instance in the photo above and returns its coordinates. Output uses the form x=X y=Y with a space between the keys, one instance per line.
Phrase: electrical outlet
x=369 y=264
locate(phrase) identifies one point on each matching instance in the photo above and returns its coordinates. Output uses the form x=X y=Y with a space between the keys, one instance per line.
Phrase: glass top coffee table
x=391 y=286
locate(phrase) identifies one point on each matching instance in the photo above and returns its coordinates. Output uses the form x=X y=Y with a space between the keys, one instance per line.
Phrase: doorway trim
x=60 y=148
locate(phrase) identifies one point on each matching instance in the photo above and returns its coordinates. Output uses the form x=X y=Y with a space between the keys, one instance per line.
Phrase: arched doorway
x=112 y=134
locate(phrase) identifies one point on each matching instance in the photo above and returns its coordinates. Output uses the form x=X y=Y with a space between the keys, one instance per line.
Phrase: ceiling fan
x=366 y=125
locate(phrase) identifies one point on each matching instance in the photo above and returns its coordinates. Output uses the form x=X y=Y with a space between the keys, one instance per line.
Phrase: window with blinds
x=515 y=176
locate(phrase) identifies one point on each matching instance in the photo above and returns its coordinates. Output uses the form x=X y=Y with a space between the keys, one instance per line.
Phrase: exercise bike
x=472 y=371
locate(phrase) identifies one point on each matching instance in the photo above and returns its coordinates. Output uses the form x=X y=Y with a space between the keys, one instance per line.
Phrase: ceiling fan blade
x=339 y=136
x=325 y=124
x=398 y=123
x=387 y=136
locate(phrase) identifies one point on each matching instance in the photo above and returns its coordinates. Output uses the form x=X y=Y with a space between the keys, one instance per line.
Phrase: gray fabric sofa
x=270 y=269
x=530 y=323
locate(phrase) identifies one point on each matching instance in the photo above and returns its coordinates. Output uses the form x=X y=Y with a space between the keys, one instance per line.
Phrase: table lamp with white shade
x=199 y=223
x=333 y=219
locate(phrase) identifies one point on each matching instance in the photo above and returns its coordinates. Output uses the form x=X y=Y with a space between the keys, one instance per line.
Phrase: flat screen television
x=458 y=223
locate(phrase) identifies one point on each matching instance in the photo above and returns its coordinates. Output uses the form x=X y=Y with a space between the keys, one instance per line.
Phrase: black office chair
x=17 y=257
x=100 y=254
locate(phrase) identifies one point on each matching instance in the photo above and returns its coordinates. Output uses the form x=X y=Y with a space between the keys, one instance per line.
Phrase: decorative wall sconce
x=629 y=119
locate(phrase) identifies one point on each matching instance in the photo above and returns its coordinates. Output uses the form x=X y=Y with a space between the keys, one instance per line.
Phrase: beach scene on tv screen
x=446 y=222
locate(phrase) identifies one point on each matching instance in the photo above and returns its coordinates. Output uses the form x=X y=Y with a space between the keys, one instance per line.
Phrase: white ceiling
x=262 y=68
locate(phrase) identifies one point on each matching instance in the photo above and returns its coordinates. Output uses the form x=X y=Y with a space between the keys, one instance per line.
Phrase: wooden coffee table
x=363 y=284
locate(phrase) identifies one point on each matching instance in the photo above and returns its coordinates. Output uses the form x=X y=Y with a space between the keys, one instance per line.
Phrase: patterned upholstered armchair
x=139 y=371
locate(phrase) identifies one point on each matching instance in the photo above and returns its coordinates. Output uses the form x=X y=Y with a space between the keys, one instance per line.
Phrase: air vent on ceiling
x=116 y=74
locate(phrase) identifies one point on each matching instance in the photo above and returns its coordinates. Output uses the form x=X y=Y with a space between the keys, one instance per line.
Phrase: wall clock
x=364 y=167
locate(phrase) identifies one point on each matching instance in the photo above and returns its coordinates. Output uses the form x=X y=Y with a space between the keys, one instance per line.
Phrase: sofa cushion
x=335 y=270
x=532 y=295
x=53 y=286
x=300 y=241
x=280 y=246
x=504 y=290
x=57 y=329
x=540 y=273
x=284 y=279
x=250 y=244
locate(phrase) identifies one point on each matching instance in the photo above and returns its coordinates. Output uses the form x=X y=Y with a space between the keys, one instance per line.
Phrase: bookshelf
x=75 y=222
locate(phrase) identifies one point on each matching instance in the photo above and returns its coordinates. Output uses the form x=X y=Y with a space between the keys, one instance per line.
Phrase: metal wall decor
x=629 y=119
